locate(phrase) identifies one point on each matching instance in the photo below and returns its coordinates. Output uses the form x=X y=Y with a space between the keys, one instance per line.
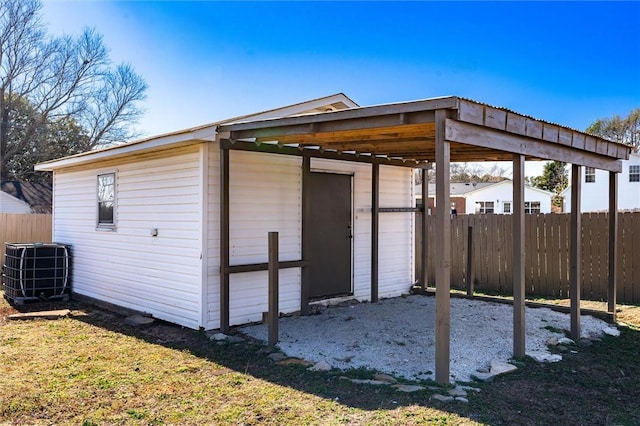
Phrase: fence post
x=470 y=271
x=273 y=288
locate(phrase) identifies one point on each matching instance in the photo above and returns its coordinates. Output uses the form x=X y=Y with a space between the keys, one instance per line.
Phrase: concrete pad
x=61 y=313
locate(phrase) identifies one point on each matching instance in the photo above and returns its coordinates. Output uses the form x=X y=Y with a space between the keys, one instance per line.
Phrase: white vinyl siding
x=265 y=196
x=396 y=248
x=213 y=241
x=159 y=275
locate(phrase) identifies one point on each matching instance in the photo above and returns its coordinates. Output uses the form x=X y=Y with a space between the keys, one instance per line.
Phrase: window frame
x=528 y=207
x=482 y=207
x=100 y=223
x=589 y=174
x=634 y=172
x=506 y=207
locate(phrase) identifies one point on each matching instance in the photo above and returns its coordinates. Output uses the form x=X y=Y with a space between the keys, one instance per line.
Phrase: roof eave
x=189 y=136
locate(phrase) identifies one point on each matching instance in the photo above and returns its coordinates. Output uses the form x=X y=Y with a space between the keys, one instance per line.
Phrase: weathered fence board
x=24 y=228
x=547 y=254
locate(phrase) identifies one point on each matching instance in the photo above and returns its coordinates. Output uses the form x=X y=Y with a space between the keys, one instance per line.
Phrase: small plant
x=138 y=415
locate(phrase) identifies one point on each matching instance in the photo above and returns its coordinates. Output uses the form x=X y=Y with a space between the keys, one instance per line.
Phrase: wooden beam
x=306 y=238
x=574 y=250
x=503 y=119
x=364 y=135
x=255 y=267
x=375 y=225
x=613 y=244
x=471 y=134
x=443 y=254
x=224 y=239
x=519 y=329
x=314 y=153
x=424 y=278
x=274 y=271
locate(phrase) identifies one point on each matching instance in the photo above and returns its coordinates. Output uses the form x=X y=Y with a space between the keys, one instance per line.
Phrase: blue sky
x=569 y=63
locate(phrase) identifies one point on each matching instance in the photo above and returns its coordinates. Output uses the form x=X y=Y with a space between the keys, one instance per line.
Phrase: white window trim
x=111 y=227
x=527 y=207
x=481 y=207
x=510 y=204
x=635 y=173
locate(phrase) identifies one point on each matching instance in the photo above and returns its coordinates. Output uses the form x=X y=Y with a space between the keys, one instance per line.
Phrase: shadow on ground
x=599 y=384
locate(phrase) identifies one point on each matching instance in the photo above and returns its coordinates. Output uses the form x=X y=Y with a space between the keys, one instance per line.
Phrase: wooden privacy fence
x=24 y=228
x=547 y=254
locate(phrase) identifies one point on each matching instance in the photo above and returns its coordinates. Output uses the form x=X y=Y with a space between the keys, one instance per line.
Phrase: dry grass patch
x=91 y=369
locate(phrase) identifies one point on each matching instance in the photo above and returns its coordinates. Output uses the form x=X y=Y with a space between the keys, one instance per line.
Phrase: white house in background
x=491 y=197
x=595 y=188
x=11 y=204
x=25 y=197
x=144 y=222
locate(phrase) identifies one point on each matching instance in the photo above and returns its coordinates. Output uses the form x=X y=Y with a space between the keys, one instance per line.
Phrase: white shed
x=143 y=219
x=177 y=225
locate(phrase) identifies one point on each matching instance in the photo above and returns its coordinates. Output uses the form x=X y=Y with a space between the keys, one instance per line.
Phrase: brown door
x=330 y=234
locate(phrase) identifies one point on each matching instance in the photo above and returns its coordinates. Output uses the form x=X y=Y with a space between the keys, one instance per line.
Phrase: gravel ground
x=396 y=336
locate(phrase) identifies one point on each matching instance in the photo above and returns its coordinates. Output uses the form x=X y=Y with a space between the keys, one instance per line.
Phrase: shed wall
x=265 y=192
x=128 y=267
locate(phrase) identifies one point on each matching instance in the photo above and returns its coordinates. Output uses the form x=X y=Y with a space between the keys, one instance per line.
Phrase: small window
x=484 y=207
x=532 y=207
x=589 y=174
x=106 y=200
x=506 y=207
x=634 y=173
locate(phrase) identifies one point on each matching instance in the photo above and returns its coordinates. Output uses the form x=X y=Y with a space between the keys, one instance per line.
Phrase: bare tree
x=467 y=172
x=59 y=78
x=619 y=129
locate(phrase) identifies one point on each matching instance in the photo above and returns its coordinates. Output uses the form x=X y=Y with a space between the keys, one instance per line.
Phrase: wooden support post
x=375 y=223
x=613 y=244
x=519 y=328
x=306 y=240
x=443 y=254
x=424 y=272
x=574 y=250
x=224 y=240
x=274 y=309
x=470 y=272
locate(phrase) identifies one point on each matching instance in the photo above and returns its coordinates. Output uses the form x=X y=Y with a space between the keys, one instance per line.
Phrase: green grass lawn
x=91 y=369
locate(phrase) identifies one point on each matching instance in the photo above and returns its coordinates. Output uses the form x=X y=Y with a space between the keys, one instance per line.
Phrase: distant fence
x=24 y=228
x=547 y=254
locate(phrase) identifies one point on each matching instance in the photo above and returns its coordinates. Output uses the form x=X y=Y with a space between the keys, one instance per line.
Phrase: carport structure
x=419 y=134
